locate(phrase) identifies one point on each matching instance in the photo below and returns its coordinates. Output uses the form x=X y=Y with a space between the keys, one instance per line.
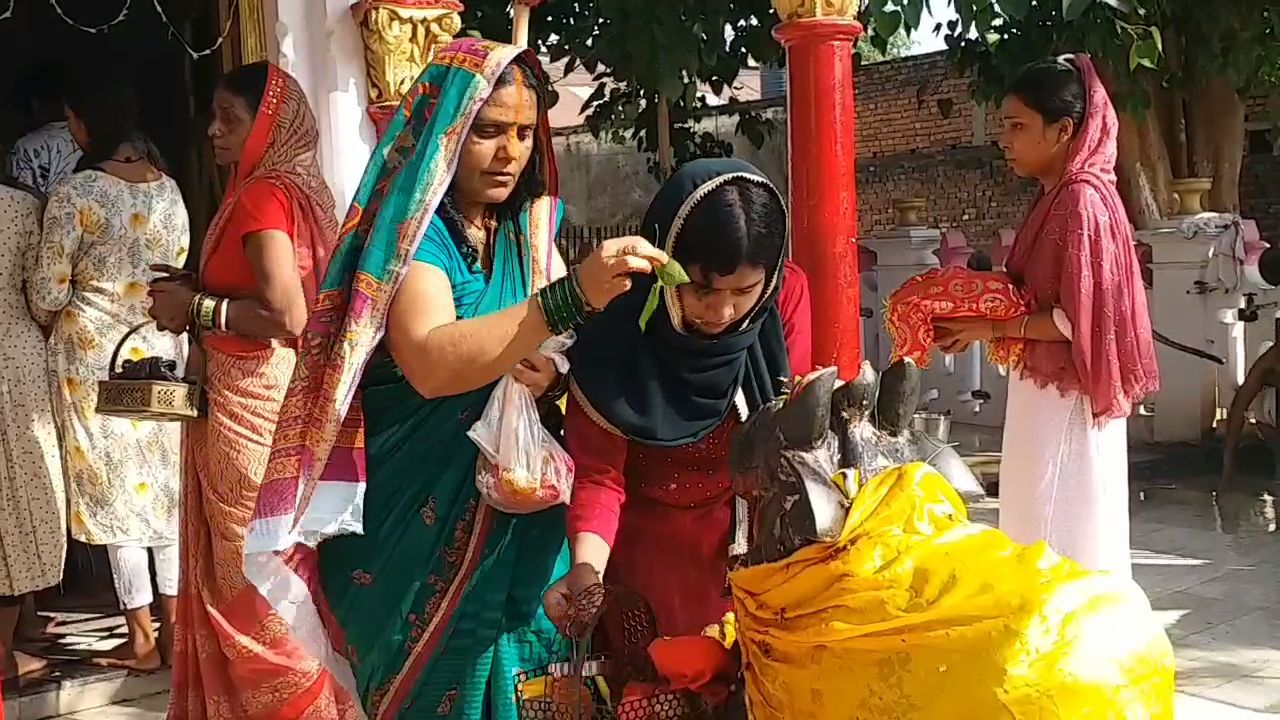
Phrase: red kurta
x=671 y=543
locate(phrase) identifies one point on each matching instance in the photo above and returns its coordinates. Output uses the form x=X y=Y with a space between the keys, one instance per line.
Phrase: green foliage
x=639 y=50
x=1140 y=44
x=874 y=48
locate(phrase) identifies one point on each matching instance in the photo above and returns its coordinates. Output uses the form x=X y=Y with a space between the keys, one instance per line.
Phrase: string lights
x=119 y=18
x=124 y=13
x=197 y=54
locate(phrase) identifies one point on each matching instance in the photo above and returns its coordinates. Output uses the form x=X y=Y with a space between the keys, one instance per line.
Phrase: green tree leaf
x=1145 y=53
x=912 y=12
x=1073 y=9
x=673 y=274
x=1016 y=9
x=887 y=23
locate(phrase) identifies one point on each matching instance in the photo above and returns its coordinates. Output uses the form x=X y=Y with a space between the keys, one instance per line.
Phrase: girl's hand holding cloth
x=954 y=307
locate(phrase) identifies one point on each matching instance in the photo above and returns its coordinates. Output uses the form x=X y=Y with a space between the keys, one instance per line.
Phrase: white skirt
x=1063 y=479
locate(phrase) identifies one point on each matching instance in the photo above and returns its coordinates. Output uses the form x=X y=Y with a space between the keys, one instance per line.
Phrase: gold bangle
x=208 y=311
x=193 y=310
x=1022 y=329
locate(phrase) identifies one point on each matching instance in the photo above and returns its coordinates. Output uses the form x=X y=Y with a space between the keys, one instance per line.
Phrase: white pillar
x=320 y=45
x=1186 y=405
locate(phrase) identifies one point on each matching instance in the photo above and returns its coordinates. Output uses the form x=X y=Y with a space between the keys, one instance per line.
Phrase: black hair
x=1053 y=88
x=530 y=185
x=248 y=82
x=106 y=105
x=44 y=86
x=742 y=222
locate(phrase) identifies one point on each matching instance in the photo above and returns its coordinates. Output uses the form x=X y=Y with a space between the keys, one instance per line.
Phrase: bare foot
x=20 y=664
x=125 y=656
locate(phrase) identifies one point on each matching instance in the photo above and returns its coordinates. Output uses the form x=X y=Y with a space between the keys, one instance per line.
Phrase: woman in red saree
x=260 y=264
x=1090 y=356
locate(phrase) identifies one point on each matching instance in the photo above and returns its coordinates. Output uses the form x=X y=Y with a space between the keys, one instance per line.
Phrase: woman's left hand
x=537 y=372
x=171 y=304
x=955 y=336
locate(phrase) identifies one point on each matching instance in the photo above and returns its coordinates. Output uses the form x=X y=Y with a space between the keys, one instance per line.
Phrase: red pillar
x=822 y=165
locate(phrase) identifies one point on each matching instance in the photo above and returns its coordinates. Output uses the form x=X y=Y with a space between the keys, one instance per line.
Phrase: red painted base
x=822 y=171
x=381 y=117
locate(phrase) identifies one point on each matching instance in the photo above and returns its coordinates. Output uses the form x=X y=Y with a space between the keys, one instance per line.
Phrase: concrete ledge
x=75 y=688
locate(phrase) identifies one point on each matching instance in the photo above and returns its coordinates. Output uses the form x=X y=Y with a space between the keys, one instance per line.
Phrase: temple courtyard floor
x=1218 y=596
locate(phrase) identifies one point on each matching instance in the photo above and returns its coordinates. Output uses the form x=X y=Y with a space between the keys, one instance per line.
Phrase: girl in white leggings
x=131 y=573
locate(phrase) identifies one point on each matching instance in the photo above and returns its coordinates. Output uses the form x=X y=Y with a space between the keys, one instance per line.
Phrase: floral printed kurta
x=33 y=540
x=100 y=235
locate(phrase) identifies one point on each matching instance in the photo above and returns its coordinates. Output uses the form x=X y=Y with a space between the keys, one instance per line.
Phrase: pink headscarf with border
x=1076 y=251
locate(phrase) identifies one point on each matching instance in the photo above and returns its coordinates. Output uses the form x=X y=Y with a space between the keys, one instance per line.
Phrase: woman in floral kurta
x=103 y=228
x=32 y=502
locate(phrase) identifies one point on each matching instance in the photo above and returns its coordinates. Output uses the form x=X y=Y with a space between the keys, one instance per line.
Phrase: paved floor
x=151 y=708
x=1219 y=598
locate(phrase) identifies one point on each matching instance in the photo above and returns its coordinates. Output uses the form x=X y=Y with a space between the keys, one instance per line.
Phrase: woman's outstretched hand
x=606 y=273
x=559 y=599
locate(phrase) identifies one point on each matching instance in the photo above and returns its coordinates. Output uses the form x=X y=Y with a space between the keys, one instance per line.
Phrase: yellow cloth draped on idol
x=915 y=613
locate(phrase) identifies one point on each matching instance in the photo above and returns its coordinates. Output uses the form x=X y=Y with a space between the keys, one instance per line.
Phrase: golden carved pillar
x=400 y=37
x=253 y=32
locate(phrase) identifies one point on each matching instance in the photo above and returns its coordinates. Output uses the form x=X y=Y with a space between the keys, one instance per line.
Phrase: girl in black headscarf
x=651 y=411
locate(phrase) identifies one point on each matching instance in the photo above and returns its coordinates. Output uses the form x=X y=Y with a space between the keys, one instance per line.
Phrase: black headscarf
x=664 y=386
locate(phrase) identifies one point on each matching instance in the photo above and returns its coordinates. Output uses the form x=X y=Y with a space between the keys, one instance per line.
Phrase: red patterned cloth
x=951 y=293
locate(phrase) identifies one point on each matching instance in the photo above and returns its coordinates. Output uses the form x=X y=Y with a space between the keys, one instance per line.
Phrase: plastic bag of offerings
x=522 y=469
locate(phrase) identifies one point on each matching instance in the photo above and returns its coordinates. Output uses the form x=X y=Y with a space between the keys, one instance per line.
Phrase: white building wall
x=317 y=41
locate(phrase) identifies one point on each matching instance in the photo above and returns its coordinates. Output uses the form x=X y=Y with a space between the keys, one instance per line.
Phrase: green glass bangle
x=208 y=311
x=559 y=308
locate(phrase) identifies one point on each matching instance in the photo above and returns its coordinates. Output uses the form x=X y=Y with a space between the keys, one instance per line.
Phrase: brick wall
x=915 y=105
x=919 y=135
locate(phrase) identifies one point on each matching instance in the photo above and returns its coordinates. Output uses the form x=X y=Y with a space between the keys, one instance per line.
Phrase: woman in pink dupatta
x=1090 y=356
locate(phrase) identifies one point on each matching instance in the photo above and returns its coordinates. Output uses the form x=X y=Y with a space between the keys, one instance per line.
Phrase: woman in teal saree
x=445 y=279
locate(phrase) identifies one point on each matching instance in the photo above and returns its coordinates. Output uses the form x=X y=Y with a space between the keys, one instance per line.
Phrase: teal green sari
x=433 y=597
x=440 y=599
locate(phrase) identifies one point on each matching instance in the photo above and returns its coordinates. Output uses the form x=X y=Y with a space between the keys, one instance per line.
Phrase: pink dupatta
x=1076 y=251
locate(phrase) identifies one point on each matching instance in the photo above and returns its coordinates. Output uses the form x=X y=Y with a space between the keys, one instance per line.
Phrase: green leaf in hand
x=670 y=275
x=673 y=275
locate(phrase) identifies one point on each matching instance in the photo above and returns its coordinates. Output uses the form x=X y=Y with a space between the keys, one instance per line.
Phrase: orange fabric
x=260 y=206
x=234 y=656
x=952 y=293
